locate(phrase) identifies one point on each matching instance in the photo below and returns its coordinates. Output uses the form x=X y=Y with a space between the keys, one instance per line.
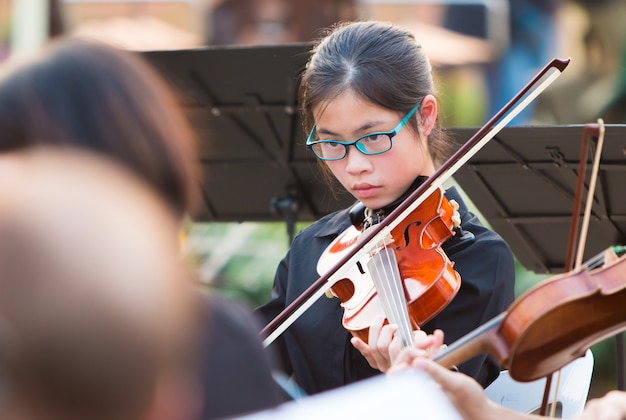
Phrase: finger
x=421 y=340
x=403 y=359
x=437 y=344
x=419 y=334
x=374 y=331
x=380 y=351
x=431 y=344
x=406 y=356
x=395 y=348
x=384 y=339
x=364 y=349
x=360 y=345
x=379 y=335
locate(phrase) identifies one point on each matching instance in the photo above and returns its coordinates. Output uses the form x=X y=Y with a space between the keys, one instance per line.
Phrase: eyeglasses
x=369 y=144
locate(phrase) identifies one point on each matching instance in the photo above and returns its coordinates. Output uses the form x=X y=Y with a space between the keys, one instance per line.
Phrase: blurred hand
x=469 y=399
x=425 y=346
x=610 y=407
x=466 y=394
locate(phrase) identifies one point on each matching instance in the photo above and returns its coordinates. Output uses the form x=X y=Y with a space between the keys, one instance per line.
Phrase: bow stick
x=375 y=235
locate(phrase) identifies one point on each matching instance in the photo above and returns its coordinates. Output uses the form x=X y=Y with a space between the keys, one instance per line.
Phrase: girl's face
x=375 y=180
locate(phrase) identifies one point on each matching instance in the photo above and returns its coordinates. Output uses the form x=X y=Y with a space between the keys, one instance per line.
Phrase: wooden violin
x=388 y=281
x=552 y=323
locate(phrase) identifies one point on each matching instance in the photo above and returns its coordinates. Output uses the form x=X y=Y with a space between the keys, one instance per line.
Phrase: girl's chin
x=371 y=198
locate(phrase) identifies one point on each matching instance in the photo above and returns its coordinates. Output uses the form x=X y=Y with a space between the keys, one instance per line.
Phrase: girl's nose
x=357 y=162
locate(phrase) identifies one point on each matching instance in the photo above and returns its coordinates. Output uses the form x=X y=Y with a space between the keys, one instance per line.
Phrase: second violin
x=552 y=323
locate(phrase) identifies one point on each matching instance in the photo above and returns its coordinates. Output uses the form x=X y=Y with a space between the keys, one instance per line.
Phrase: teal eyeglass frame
x=347 y=144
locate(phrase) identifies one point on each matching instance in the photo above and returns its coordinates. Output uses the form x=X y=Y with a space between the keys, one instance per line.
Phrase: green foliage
x=239 y=259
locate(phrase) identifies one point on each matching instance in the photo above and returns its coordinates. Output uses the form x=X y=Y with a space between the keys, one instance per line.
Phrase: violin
x=552 y=323
x=388 y=281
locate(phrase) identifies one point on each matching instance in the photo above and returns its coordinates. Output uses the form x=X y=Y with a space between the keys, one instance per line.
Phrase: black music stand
x=242 y=102
x=524 y=182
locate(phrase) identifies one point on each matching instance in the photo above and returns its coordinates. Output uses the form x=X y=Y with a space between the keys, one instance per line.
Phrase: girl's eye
x=374 y=137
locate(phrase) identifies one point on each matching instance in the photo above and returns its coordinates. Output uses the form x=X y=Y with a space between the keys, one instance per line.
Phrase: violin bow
x=572 y=263
x=376 y=234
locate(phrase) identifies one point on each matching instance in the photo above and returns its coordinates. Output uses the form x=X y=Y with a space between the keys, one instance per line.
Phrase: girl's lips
x=365 y=190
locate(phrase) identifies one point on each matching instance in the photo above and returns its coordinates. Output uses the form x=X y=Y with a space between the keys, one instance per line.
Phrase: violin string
x=402 y=313
x=381 y=281
x=595 y=261
x=386 y=277
x=378 y=274
x=380 y=290
x=379 y=278
x=598 y=259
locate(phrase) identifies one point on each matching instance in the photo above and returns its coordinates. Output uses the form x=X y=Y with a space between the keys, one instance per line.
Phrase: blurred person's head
x=94 y=302
x=89 y=94
x=273 y=22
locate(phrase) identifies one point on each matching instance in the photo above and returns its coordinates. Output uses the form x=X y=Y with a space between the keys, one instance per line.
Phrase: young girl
x=369 y=106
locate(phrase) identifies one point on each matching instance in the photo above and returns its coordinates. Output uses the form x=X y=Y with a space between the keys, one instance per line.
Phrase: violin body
x=557 y=321
x=428 y=279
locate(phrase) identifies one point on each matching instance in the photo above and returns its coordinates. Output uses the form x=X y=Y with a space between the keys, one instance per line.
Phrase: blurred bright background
x=483 y=52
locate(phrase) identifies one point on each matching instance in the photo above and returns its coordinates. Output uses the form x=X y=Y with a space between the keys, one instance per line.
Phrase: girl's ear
x=428 y=113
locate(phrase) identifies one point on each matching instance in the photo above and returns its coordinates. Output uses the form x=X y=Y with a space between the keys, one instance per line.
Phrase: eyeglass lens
x=370 y=144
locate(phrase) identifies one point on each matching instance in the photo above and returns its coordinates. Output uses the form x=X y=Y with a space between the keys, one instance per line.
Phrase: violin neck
x=482 y=340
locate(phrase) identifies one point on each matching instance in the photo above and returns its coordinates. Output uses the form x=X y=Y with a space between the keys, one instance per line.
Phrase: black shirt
x=316 y=349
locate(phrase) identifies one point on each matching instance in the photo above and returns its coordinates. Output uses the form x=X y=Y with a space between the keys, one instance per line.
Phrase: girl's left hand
x=384 y=346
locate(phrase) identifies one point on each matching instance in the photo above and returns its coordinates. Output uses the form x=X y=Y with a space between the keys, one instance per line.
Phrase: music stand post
x=287 y=206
